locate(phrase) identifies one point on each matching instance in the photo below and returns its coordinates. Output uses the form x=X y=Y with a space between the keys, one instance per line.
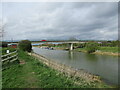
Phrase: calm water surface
x=103 y=65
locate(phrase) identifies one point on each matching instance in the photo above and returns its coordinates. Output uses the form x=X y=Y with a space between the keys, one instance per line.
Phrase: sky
x=60 y=20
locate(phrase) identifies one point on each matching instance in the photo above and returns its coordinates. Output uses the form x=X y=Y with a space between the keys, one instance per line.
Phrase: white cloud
x=61 y=20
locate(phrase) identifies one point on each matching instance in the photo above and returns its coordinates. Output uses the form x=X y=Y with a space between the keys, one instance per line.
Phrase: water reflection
x=91 y=57
x=70 y=55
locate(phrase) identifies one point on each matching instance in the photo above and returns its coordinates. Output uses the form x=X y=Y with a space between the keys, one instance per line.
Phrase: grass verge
x=31 y=73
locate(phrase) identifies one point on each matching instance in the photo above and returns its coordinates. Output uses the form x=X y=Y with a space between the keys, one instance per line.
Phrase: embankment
x=67 y=70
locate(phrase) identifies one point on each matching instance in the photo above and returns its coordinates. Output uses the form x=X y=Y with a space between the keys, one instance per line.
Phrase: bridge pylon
x=71 y=46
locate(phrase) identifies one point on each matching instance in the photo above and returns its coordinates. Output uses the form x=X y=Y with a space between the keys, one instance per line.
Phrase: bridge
x=67 y=42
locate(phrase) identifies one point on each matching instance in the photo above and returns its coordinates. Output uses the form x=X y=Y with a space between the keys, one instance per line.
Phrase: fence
x=7 y=58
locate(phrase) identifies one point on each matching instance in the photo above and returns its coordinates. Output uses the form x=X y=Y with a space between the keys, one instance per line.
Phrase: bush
x=82 y=45
x=4 y=44
x=25 y=45
x=92 y=47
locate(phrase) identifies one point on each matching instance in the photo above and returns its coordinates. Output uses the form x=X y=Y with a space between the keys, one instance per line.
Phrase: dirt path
x=29 y=75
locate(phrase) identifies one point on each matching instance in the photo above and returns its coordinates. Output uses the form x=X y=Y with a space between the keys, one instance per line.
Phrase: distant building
x=99 y=42
x=3 y=44
x=43 y=40
x=12 y=45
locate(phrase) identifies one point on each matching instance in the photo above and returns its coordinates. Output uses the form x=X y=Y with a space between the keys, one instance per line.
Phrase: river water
x=102 y=65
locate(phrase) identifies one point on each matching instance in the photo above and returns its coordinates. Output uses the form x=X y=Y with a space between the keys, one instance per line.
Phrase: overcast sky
x=60 y=20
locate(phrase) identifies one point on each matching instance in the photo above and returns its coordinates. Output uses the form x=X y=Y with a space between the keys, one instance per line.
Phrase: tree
x=72 y=39
x=4 y=44
x=115 y=43
x=2 y=29
x=81 y=45
x=25 y=45
x=91 y=47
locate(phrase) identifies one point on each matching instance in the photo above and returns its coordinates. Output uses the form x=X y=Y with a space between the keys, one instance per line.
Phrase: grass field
x=102 y=49
x=109 y=49
x=30 y=73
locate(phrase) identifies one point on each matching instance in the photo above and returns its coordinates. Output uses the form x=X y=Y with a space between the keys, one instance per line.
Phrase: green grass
x=102 y=49
x=109 y=49
x=7 y=48
x=34 y=74
x=81 y=49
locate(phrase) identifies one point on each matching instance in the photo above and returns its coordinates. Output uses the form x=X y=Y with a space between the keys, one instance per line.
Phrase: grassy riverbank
x=103 y=50
x=31 y=73
x=109 y=49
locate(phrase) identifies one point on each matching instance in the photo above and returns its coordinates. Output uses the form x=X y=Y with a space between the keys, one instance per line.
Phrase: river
x=104 y=66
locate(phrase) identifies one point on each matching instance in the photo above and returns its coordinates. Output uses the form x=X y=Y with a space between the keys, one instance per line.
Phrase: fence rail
x=10 y=56
x=9 y=53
